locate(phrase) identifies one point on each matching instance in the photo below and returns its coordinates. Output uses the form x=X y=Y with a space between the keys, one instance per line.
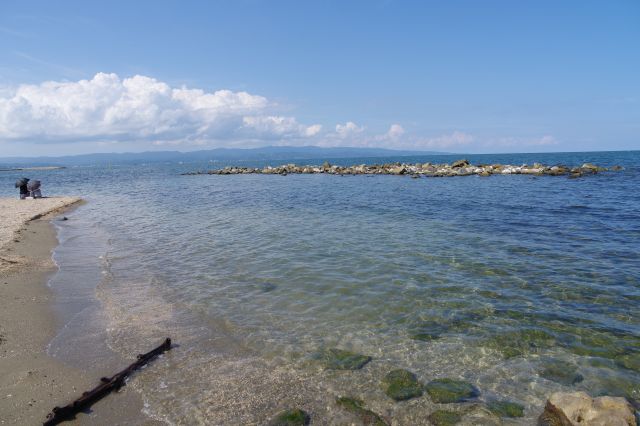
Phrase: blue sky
x=459 y=76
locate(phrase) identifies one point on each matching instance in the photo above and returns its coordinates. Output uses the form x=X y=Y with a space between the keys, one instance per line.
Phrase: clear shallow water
x=492 y=280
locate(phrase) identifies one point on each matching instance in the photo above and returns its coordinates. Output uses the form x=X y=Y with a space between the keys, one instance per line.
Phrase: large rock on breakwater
x=457 y=168
x=578 y=408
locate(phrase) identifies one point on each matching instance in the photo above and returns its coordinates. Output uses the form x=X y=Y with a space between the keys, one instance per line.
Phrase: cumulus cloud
x=278 y=127
x=348 y=130
x=108 y=108
x=510 y=142
x=395 y=132
x=447 y=141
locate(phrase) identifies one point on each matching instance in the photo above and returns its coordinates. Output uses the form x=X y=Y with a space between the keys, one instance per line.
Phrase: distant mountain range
x=221 y=154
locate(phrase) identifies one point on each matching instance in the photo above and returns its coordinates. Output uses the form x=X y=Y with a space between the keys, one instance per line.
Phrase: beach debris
x=457 y=168
x=447 y=391
x=444 y=418
x=292 y=417
x=107 y=385
x=578 y=408
x=339 y=359
x=506 y=408
x=401 y=385
x=356 y=406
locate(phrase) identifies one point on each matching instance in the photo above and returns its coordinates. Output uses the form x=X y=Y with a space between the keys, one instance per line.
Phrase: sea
x=519 y=285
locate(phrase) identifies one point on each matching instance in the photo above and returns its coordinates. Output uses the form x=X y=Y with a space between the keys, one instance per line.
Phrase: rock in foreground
x=578 y=408
x=446 y=391
x=401 y=385
x=338 y=359
x=295 y=417
x=356 y=407
x=444 y=418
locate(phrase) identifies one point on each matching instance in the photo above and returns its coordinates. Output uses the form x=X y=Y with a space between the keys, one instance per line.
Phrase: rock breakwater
x=457 y=168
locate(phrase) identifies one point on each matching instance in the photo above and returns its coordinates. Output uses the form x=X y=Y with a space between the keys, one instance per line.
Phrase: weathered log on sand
x=107 y=385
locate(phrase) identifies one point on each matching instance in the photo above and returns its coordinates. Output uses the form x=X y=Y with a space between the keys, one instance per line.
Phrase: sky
x=455 y=76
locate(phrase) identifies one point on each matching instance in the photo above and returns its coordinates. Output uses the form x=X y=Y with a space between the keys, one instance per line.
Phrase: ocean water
x=520 y=285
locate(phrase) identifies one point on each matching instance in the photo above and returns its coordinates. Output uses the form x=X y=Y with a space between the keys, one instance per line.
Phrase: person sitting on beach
x=22 y=184
x=34 y=188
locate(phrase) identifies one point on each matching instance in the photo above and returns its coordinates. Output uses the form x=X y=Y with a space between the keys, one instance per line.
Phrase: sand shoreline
x=31 y=381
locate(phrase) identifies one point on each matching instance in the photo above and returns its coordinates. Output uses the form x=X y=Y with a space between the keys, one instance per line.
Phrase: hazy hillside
x=266 y=153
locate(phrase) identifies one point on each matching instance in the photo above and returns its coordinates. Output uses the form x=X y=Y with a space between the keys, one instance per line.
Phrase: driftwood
x=107 y=385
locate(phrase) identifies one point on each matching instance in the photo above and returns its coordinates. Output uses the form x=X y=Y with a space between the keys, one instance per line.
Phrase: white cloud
x=108 y=108
x=453 y=140
x=348 y=130
x=521 y=141
x=395 y=132
x=278 y=127
x=109 y=111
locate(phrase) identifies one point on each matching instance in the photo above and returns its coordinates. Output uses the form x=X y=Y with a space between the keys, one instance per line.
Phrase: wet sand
x=31 y=381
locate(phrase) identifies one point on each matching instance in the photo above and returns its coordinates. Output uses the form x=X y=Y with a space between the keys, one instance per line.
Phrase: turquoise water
x=520 y=285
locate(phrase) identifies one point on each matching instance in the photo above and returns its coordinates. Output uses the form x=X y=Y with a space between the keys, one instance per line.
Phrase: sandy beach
x=32 y=382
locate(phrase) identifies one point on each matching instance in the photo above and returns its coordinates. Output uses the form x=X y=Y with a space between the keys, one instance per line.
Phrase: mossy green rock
x=629 y=361
x=521 y=342
x=294 y=417
x=356 y=406
x=401 y=385
x=449 y=390
x=561 y=372
x=338 y=359
x=506 y=409
x=444 y=418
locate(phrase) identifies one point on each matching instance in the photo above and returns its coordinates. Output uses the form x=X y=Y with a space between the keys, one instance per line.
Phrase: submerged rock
x=356 y=406
x=450 y=390
x=444 y=418
x=629 y=361
x=401 y=385
x=506 y=409
x=578 y=408
x=520 y=342
x=338 y=359
x=294 y=417
x=561 y=372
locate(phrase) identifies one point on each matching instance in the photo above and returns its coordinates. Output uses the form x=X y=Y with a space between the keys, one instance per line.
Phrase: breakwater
x=457 y=168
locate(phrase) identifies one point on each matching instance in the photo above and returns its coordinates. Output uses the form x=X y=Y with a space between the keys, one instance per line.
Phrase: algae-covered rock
x=432 y=329
x=338 y=359
x=401 y=385
x=444 y=418
x=293 y=417
x=450 y=390
x=506 y=409
x=629 y=361
x=561 y=372
x=520 y=342
x=427 y=330
x=356 y=406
